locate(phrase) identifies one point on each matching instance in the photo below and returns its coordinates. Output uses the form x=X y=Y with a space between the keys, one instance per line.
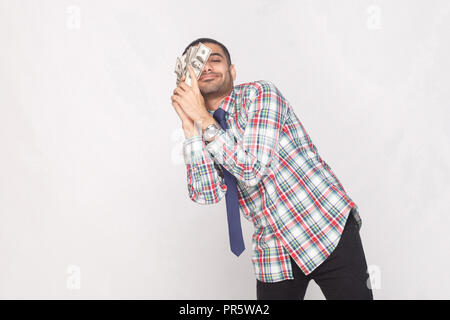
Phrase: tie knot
x=219 y=115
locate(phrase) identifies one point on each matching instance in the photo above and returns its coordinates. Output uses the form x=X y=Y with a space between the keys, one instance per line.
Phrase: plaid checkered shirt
x=296 y=203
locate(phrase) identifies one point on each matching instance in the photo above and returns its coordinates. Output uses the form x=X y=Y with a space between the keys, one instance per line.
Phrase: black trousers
x=342 y=276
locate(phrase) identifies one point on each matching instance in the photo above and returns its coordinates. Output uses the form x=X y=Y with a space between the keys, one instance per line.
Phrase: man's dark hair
x=203 y=40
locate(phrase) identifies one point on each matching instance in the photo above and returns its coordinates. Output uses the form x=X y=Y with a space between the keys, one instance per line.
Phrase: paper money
x=196 y=57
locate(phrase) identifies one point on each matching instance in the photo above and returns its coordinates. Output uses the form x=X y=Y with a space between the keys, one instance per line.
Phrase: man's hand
x=190 y=106
x=191 y=102
x=186 y=122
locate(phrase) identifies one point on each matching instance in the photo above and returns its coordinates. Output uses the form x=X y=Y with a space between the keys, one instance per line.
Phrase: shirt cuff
x=193 y=150
x=215 y=147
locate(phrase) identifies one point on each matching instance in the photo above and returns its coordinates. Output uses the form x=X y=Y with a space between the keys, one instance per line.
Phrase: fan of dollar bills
x=196 y=57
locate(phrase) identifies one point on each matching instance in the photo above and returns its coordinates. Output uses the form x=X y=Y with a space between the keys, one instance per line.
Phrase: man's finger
x=178 y=91
x=194 y=81
x=174 y=99
x=182 y=79
x=184 y=86
x=177 y=106
x=178 y=109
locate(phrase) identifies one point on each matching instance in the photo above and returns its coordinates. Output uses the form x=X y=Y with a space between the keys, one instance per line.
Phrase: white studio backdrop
x=93 y=196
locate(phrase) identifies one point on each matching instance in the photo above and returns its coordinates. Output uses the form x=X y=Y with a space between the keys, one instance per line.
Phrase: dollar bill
x=196 y=57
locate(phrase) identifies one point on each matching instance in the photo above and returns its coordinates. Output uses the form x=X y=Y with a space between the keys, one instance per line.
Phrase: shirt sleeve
x=204 y=177
x=249 y=159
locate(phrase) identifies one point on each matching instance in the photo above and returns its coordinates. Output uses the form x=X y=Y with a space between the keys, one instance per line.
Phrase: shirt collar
x=228 y=104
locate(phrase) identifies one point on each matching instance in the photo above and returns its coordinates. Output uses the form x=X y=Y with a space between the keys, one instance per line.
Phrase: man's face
x=217 y=78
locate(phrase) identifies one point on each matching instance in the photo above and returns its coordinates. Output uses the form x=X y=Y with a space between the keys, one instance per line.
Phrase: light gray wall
x=93 y=200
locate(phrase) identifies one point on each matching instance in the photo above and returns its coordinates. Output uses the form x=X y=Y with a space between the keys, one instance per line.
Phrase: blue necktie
x=231 y=198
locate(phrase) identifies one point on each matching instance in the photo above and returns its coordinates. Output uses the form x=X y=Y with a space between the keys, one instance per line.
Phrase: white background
x=93 y=196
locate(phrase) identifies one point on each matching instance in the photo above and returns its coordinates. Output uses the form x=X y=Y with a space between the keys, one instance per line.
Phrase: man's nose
x=207 y=67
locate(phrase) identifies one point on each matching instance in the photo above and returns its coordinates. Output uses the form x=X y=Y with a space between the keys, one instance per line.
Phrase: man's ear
x=233 y=72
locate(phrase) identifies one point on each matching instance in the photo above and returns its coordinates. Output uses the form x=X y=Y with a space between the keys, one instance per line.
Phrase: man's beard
x=212 y=89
